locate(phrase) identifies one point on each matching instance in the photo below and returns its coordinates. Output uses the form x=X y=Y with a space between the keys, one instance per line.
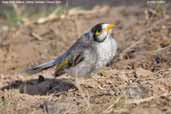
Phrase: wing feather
x=74 y=55
x=68 y=62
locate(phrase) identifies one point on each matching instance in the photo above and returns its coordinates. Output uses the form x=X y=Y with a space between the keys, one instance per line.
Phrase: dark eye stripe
x=98 y=28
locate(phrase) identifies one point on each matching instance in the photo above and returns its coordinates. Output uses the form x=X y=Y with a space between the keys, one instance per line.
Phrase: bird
x=92 y=51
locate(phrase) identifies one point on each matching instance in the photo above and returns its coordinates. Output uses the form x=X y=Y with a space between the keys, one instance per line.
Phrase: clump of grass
x=60 y=10
x=5 y=100
x=156 y=9
x=12 y=14
x=45 y=12
x=13 y=18
x=2 y=103
x=160 y=9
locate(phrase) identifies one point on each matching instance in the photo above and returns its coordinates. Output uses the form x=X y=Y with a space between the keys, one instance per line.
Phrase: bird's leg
x=78 y=86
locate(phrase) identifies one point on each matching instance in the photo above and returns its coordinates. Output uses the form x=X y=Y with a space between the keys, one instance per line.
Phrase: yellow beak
x=110 y=27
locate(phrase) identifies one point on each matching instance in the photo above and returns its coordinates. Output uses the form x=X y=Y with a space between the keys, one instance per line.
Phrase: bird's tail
x=41 y=67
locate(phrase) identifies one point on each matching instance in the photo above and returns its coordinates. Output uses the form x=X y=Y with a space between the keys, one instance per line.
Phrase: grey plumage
x=75 y=54
x=88 y=54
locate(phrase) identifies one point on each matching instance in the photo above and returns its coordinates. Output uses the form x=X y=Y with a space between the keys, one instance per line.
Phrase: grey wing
x=74 y=56
x=70 y=58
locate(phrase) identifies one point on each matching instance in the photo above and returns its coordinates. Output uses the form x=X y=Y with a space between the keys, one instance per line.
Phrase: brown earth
x=137 y=82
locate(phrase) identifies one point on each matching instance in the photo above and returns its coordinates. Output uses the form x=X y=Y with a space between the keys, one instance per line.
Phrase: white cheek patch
x=102 y=36
x=104 y=26
x=105 y=31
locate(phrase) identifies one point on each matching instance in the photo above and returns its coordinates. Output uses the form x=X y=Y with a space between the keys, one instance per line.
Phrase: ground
x=137 y=81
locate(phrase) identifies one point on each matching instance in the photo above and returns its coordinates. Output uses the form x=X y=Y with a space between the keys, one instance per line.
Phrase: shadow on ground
x=41 y=86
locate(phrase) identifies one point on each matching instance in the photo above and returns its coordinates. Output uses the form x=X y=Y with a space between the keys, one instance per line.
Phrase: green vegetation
x=16 y=15
x=10 y=14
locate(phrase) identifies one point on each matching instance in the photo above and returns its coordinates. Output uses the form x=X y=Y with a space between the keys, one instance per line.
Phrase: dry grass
x=138 y=79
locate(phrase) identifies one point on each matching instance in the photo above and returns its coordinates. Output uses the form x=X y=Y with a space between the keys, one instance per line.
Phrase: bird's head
x=102 y=31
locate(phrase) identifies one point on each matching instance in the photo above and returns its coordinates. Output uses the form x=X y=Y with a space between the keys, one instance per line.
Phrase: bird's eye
x=98 y=32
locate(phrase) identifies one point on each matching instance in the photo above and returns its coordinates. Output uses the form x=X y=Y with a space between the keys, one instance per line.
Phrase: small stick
x=147 y=99
x=36 y=36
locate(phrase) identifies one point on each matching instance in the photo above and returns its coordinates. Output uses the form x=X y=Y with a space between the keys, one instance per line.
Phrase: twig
x=162 y=70
x=147 y=99
x=36 y=36
x=161 y=49
x=134 y=101
x=110 y=108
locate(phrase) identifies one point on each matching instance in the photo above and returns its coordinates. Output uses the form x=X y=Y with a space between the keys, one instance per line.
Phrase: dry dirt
x=137 y=82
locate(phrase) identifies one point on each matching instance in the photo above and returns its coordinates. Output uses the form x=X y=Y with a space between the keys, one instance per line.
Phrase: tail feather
x=44 y=66
x=41 y=67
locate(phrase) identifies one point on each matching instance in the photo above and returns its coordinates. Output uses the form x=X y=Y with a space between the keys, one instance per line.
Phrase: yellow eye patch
x=98 y=32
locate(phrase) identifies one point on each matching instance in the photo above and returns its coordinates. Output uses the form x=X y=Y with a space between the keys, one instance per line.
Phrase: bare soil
x=137 y=82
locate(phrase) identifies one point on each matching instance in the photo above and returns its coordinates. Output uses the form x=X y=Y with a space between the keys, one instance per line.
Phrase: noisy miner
x=92 y=51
